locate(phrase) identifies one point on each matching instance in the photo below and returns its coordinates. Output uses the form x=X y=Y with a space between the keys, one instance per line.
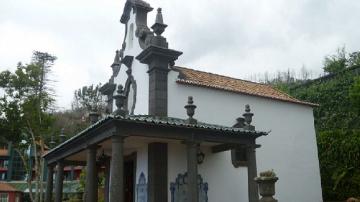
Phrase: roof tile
x=7 y=187
x=210 y=80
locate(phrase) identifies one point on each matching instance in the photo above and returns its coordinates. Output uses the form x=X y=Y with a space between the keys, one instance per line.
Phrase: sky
x=238 y=38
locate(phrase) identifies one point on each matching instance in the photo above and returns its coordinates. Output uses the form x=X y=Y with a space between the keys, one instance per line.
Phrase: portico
x=119 y=136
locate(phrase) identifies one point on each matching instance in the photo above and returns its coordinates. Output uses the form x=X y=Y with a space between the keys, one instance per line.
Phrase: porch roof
x=153 y=126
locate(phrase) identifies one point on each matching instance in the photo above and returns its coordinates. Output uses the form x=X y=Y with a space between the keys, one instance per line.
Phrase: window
x=17 y=198
x=4 y=197
x=238 y=157
x=130 y=35
x=2 y=176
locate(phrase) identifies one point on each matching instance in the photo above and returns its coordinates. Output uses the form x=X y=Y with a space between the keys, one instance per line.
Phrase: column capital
x=118 y=138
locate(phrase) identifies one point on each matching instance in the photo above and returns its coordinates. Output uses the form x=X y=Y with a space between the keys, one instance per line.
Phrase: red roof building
x=9 y=193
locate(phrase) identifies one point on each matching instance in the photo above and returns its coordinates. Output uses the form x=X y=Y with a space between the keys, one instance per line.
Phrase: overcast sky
x=238 y=38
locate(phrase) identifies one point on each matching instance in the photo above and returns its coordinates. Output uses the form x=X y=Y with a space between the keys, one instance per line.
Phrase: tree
x=89 y=99
x=337 y=123
x=335 y=63
x=355 y=93
x=24 y=113
x=354 y=59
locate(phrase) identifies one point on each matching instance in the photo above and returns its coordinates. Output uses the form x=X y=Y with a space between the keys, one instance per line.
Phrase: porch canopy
x=115 y=135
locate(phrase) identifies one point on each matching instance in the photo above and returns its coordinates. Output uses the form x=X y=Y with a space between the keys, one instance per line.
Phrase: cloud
x=236 y=37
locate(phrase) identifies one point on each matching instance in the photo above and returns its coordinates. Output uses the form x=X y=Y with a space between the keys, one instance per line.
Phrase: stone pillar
x=91 y=185
x=192 y=170
x=158 y=56
x=252 y=173
x=107 y=180
x=49 y=183
x=117 y=170
x=59 y=181
x=157 y=172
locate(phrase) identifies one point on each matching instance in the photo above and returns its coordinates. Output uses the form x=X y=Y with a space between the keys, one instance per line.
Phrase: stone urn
x=94 y=117
x=266 y=183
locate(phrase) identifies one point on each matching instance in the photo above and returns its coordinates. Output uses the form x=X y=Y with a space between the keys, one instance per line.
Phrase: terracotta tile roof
x=4 y=152
x=215 y=81
x=6 y=187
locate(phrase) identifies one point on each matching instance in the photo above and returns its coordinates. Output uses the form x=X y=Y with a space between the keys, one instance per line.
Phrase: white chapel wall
x=139 y=71
x=290 y=149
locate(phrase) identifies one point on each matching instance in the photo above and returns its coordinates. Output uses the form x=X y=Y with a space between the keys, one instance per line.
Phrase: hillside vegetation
x=337 y=122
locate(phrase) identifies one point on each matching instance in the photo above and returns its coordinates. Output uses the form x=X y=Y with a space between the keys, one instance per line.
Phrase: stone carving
x=141 y=189
x=178 y=189
x=248 y=118
x=130 y=92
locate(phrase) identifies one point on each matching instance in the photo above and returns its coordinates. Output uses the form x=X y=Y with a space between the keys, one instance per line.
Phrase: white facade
x=290 y=148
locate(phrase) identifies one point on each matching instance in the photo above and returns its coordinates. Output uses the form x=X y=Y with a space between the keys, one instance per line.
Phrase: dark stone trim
x=126 y=13
x=224 y=147
x=127 y=128
x=192 y=171
x=59 y=181
x=116 y=193
x=93 y=136
x=91 y=175
x=49 y=183
x=235 y=160
x=157 y=172
x=252 y=173
x=107 y=89
x=127 y=61
x=158 y=60
x=153 y=52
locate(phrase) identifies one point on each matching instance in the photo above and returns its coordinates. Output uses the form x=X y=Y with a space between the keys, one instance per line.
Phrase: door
x=129 y=179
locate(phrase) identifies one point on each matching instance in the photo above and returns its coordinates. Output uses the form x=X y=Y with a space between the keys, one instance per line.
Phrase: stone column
x=252 y=173
x=117 y=170
x=49 y=183
x=192 y=170
x=59 y=181
x=107 y=180
x=91 y=184
x=157 y=172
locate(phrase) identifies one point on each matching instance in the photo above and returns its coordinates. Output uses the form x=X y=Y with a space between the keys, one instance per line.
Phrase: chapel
x=178 y=134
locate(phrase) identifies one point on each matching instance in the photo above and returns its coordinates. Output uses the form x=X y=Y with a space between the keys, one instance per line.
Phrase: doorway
x=130 y=177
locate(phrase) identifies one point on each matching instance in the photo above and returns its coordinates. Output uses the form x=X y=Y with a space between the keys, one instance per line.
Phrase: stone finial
x=266 y=183
x=116 y=59
x=120 y=99
x=62 y=136
x=248 y=118
x=159 y=17
x=52 y=142
x=190 y=110
x=240 y=123
x=94 y=117
x=159 y=26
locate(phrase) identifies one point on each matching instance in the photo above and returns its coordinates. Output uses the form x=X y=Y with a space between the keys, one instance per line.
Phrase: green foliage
x=26 y=101
x=337 y=122
x=24 y=113
x=355 y=93
x=89 y=98
x=335 y=63
x=72 y=121
x=336 y=110
x=339 y=163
